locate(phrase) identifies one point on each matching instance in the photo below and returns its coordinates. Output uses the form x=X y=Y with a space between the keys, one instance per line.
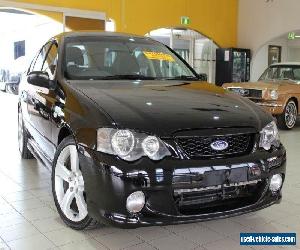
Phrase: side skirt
x=32 y=146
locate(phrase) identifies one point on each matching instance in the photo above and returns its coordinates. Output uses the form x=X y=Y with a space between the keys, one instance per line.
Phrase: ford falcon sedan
x=133 y=138
x=277 y=91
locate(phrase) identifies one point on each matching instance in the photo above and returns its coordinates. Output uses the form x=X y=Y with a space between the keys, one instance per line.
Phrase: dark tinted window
x=108 y=57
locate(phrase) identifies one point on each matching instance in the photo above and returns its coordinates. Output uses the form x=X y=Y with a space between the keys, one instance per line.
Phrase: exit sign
x=185 y=20
x=293 y=36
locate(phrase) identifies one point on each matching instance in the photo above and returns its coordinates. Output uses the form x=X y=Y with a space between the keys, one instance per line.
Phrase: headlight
x=274 y=94
x=122 y=142
x=269 y=136
x=130 y=145
x=150 y=145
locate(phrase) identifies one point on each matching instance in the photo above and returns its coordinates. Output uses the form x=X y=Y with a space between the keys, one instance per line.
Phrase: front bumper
x=109 y=181
x=272 y=107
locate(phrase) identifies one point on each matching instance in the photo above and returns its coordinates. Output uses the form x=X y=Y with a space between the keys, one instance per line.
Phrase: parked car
x=133 y=138
x=277 y=91
x=10 y=79
x=12 y=85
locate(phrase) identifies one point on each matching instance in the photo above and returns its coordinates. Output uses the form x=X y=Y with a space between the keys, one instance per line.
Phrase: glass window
x=297 y=74
x=50 y=63
x=281 y=72
x=39 y=62
x=32 y=64
x=122 y=57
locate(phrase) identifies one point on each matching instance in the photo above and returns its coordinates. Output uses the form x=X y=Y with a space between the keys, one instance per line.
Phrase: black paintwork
x=163 y=108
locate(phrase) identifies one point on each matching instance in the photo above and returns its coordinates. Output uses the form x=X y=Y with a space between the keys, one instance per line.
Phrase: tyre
x=23 y=138
x=68 y=187
x=288 y=119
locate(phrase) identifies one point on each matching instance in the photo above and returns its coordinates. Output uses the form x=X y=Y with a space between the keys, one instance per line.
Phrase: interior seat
x=125 y=64
x=74 y=60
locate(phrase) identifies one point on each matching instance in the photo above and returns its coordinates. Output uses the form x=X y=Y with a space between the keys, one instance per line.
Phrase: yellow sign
x=158 y=56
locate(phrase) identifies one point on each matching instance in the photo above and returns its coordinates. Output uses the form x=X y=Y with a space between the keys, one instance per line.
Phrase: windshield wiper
x=125 y=77
x=182 y=77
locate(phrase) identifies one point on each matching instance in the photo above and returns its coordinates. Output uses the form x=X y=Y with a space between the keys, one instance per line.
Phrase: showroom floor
x=28 y=219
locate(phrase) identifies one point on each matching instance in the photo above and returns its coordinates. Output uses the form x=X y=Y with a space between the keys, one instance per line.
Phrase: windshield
x=98 y=57
x=282 y=72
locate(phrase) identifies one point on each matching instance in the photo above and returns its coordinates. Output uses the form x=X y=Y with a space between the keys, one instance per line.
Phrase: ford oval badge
x=219 y=145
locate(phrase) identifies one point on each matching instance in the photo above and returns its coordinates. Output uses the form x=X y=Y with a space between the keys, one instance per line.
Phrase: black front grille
x=250 y=93
x=255 y=93
x=217 y=199
x=200 y=146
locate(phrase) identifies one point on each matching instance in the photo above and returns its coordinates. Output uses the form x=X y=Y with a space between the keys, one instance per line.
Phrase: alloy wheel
x=69 y=185
x=290 y=114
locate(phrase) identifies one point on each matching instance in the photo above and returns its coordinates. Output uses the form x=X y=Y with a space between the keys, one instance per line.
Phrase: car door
x=24 y=95
x=41 y=100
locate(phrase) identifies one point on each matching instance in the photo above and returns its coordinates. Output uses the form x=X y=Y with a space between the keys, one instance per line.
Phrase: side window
x=50 y=63
x=38 y=64
x=32 y=64
x=297 y=74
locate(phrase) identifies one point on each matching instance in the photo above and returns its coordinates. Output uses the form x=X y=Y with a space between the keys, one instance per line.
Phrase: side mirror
x=39 y=78
x=202 y=77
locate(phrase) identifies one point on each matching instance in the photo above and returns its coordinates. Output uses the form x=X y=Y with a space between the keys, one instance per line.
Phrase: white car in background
x=10 y=77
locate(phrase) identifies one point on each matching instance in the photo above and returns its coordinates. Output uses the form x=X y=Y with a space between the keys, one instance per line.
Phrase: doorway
x=196 y=49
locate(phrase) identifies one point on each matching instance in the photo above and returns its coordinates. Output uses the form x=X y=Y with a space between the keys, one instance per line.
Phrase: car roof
x=286 y=63
x=98 y=33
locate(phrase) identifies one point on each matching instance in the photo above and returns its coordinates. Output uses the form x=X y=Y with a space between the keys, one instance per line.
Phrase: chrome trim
x=245 y=88
x=269 y=104
x=181 y=172
x=139 y=174
x=188 y=190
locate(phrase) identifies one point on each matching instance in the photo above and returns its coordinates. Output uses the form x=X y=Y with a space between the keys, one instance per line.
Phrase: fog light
x=276 y=182
x=135 y=202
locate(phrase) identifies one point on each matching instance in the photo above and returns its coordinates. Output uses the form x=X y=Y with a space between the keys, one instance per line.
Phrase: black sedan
x=133 y=138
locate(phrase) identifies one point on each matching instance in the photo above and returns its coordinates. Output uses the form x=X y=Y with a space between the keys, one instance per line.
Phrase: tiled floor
x=28 y=219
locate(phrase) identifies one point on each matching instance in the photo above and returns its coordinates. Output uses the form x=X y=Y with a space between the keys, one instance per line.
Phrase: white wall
x=294 y=49
x=260 y=59
x=290 y=52
x=260 y=21
x=294 y=54
x=34 y=29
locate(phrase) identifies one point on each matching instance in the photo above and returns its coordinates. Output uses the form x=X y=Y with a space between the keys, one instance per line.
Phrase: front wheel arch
x=87 y=222
x=63 y=133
